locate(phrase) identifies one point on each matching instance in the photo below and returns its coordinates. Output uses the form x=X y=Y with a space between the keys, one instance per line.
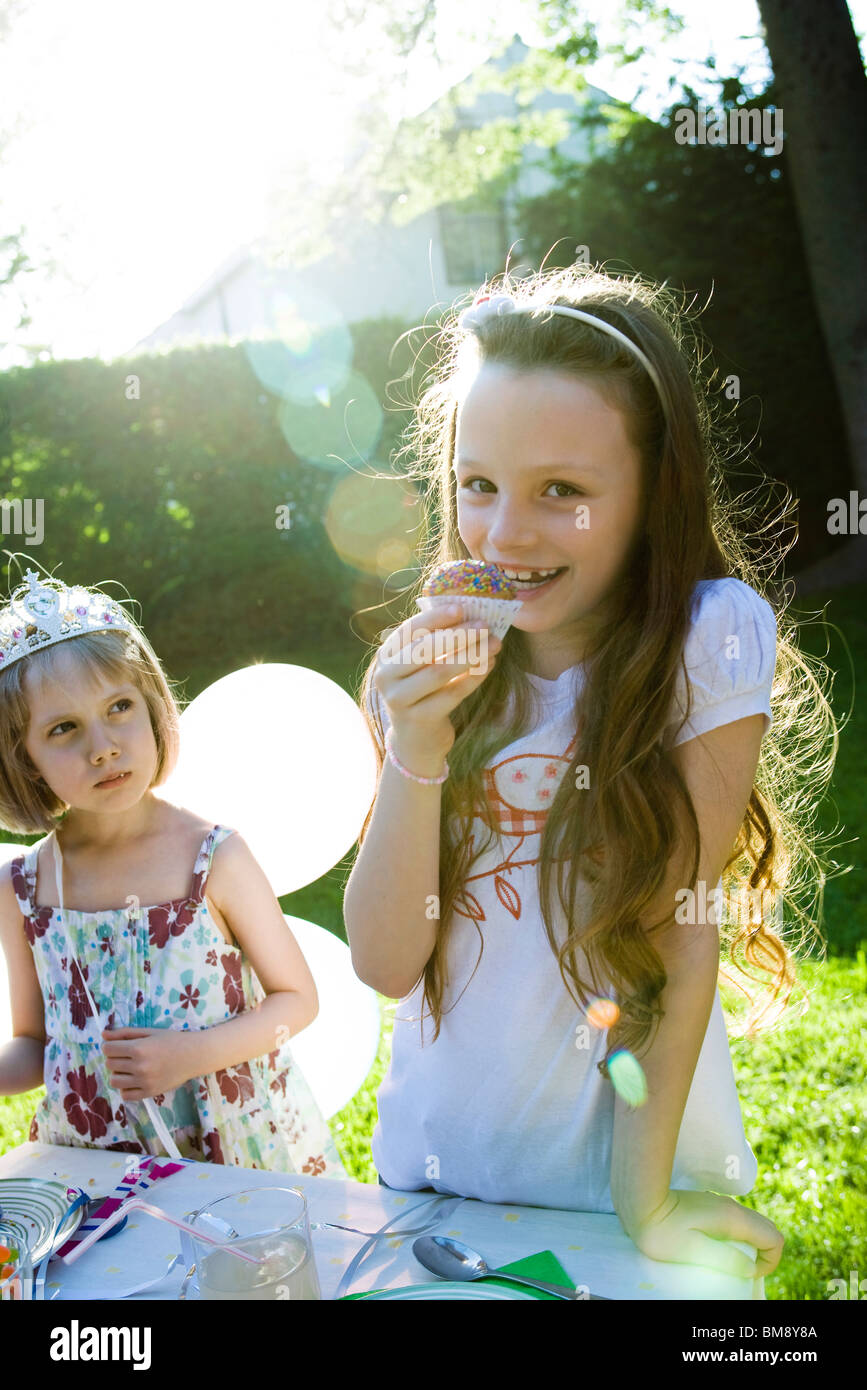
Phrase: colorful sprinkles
x=471 y=577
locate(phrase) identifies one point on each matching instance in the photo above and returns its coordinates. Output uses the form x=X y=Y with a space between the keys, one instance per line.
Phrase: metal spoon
x=451 y=1259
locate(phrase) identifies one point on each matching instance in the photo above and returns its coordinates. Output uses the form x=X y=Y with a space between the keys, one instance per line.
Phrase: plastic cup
x=270 y=1223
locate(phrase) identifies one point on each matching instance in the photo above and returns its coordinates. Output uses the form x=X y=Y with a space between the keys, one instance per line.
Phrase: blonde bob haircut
x=27 y=804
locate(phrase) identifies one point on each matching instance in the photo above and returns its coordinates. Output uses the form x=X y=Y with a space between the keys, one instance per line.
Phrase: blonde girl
x=153 y=978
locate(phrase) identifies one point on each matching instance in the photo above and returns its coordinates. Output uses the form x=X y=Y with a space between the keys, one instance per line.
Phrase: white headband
x=487 y=306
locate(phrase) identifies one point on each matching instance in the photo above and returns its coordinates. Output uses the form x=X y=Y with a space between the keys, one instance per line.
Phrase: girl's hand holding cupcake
x=421 y=688
x=421 y=694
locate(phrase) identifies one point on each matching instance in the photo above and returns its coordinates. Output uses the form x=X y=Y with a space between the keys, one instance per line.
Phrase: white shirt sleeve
x=730 y=655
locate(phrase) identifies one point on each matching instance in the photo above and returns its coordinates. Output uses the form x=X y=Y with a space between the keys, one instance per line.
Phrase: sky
x=145 y=138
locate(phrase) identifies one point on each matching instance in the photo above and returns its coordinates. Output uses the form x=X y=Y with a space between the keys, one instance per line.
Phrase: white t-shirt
x=507 y=1105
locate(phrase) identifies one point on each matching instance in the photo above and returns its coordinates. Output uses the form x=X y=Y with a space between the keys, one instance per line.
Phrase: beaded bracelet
x=425 y=781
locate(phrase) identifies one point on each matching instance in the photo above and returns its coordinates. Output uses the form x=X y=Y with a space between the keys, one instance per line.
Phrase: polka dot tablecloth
x=590 y=1246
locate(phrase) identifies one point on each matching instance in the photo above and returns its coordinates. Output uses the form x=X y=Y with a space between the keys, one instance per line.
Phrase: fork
x=373 y=1235
x=442 y=1205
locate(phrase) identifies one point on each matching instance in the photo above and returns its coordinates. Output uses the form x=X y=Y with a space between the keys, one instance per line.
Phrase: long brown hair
x=623 y=830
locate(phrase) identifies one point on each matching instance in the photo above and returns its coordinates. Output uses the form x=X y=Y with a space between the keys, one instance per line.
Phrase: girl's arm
x=387 y=905
x=21 y=1058
x=391 y=902
x=147 y=1062
x=719 y=769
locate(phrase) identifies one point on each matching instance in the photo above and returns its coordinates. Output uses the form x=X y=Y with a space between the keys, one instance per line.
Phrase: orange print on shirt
x=519 y=792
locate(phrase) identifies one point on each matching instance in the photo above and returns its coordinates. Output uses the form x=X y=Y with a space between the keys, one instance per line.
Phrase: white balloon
x=335 y=1053
x=7 y=853
x=282 y=755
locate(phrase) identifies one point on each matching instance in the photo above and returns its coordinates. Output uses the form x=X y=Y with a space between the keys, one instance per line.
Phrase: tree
x=823 y=93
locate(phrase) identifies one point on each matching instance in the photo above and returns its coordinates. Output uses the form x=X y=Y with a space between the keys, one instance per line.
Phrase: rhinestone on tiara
x=43 y=612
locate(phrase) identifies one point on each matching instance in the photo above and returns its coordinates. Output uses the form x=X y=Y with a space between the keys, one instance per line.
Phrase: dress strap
x=205 y=859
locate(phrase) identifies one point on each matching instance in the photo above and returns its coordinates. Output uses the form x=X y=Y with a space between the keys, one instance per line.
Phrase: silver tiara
x=43 y=612
x=486 y=306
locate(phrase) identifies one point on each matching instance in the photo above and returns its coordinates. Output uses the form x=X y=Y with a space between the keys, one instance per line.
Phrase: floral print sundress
x=165 y=966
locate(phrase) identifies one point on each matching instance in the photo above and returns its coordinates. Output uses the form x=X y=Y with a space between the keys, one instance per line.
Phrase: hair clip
x=484 y=307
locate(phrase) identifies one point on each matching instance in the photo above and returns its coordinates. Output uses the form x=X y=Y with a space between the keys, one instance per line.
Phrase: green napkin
x=544 y=1265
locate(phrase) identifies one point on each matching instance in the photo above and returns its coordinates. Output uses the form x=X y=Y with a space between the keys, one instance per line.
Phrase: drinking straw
x=150 y=1210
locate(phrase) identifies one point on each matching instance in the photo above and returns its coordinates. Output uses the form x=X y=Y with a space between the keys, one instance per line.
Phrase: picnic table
x=592 y=1247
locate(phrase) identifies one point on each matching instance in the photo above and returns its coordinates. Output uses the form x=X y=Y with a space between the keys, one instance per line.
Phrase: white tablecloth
x=591 y=1247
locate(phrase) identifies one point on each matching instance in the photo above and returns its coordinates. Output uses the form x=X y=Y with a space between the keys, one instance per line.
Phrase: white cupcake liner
x=498 y=613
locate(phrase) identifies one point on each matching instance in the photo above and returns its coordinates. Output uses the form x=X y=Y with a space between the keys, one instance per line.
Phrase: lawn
x=803 y=1086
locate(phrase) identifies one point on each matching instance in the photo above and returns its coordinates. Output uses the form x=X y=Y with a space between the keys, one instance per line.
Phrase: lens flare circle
x=366 y=522
x=303 y=352
x=603 y=1013
x=344 y=424
x=627 y=1077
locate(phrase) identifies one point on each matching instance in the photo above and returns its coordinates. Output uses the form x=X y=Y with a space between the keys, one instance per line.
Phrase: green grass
x=802 y=1085
x=803 y=1095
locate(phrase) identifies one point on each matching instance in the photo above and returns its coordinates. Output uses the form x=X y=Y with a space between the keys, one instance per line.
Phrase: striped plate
x=40 y=1207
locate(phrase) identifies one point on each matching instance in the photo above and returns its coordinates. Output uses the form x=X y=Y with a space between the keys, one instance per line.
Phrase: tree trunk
x=823 y=93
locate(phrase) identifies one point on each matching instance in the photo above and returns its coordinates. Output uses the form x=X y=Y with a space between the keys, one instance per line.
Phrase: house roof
x=251 y=251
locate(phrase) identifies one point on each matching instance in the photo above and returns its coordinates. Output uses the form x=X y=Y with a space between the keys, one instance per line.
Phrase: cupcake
x=483 y=590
